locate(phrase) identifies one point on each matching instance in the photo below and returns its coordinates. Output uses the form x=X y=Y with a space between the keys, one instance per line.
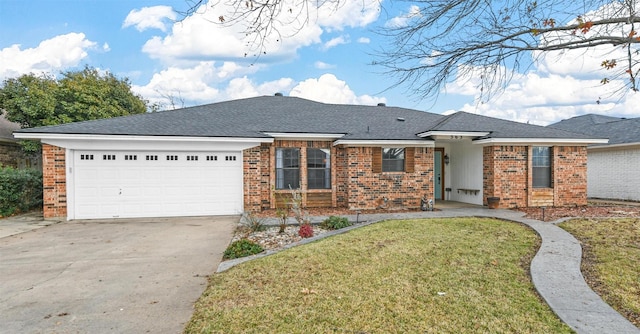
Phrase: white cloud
x=329 y=89
x=49 y=56
x=207 y=82
x=335 y=42
x=106 y=47
x=149 y=18
x=243 y=87
x=202 y=37
x=403 y=20
x=364 y=40
x=543 y=98
x=323 y=66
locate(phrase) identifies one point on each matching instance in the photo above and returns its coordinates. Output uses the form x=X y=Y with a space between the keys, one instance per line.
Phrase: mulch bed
x=588 y=211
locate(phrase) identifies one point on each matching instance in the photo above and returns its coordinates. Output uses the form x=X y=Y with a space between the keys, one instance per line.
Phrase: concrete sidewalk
x=23 y=223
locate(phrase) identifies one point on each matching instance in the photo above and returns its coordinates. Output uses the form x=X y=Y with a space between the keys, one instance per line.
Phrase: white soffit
x=156 y=143
x=452 y=134
x=626 y=146
x=540 y=141
x=386 y=143
x=304 y=135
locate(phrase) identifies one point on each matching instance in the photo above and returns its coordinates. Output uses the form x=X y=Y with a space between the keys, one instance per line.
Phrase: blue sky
x=198 y=62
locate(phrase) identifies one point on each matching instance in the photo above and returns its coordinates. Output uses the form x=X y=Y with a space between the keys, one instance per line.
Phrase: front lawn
x=426 y=276
x=611 y=260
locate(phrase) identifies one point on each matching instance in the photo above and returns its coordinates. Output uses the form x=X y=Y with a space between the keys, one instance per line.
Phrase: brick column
x=54 y=181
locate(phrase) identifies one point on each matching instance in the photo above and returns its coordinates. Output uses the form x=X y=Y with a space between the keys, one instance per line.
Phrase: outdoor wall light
x=446 y=159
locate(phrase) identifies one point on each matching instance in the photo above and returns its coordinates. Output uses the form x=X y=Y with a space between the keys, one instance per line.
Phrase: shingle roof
x=618 y=130
x=7 y=128
x=499 y=128
x=254 y=117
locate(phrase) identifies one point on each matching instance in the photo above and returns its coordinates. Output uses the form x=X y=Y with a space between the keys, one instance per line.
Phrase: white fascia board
x=452 y=134
x=386 y=143
x=614 y=147
x=151 y=143
x=304 y=135
x=540 y=141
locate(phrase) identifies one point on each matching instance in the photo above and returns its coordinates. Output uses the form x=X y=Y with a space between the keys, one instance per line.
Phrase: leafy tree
x=39 y=100
x=440 y=40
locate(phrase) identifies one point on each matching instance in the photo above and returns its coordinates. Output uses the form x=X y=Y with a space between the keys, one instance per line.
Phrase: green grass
x=427 y=276
x=611 y=260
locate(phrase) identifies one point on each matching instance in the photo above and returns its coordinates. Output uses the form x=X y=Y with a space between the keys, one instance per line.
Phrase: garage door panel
x=146 y=186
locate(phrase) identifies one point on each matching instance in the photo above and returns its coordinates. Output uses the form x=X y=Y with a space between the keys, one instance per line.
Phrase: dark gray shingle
x=253 y=117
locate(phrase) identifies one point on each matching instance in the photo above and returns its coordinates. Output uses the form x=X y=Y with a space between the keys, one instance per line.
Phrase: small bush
x=241 y=248
x=335 y=223
x=20 y=190
x=306 y=231
x=253 y=223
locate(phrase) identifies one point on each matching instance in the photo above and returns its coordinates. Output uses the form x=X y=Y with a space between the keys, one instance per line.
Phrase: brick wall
x=354 y=185
x=506 y=174
x=570 y=175
x=368 y=190
x=252 y=172
x=54 y=181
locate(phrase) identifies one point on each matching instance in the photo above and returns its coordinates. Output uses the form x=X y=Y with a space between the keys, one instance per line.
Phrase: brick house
x=242 y=155
x=613 y=171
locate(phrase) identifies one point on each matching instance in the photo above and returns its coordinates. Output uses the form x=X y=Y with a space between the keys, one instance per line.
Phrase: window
x=287 y=168
x=393 y=159
x=318 y=168
x=541 y=159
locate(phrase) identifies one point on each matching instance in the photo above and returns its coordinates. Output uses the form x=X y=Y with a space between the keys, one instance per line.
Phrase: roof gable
x=618 y=130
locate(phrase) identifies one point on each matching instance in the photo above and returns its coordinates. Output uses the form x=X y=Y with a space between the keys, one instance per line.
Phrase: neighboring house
x=614 y=168
x=245 y=155
x=11 y=153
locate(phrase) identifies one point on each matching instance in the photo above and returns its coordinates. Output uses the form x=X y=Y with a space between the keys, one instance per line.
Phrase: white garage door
x=110 y=184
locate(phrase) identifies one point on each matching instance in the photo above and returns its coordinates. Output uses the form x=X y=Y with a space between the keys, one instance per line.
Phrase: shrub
x=20 y=190
x=335 y=223
x=241 y=248
x=251 y=222
x=306 y=231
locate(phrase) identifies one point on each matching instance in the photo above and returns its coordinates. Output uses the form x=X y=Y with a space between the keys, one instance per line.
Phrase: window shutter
x=376 y=159
x=409 y=159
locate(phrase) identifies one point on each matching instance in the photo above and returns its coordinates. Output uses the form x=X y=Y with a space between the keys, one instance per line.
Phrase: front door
x=438 y=171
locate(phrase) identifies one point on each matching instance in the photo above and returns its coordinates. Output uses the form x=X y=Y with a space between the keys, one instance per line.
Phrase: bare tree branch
x=448 y=39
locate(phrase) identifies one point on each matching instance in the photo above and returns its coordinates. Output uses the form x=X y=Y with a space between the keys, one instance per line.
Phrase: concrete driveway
x=109 y=276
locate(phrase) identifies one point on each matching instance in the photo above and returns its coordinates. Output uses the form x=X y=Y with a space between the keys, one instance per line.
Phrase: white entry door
x=111 y=184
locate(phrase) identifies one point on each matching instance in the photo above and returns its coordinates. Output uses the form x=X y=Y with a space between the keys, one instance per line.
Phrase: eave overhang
x=384 y=143
x=304 y=135
x=454 y=135
x=133 y=142
x=540 y=141
x=625 y=146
